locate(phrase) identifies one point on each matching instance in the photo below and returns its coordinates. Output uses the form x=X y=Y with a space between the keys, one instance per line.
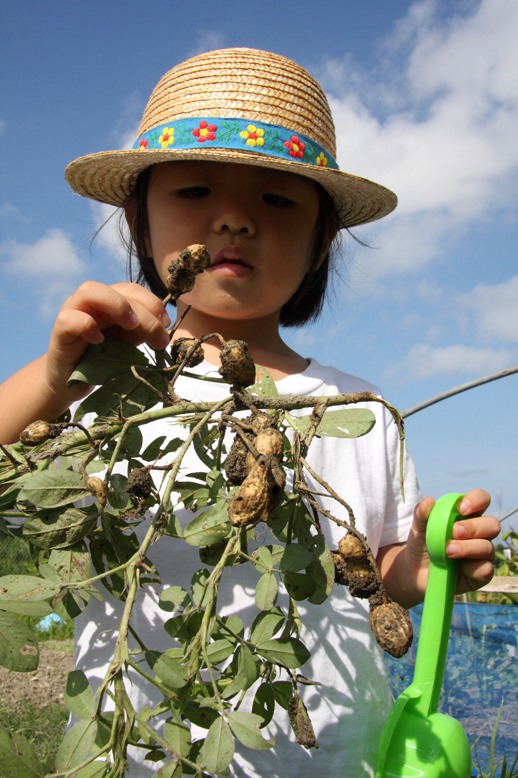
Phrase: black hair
x=304 y=306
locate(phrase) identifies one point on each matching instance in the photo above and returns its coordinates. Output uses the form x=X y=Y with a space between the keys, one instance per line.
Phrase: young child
x=236 y=151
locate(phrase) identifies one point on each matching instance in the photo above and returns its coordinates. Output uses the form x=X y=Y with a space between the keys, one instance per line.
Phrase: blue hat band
x=238 y=135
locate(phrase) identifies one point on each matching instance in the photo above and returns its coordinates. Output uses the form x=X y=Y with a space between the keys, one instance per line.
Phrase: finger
x=151 y=329
x=136 y=292
x=126 y=311
x=474 y=573
x=480 y=527
x=474 y=502
x=476 y=549
x=421 y=513
x=105 y=304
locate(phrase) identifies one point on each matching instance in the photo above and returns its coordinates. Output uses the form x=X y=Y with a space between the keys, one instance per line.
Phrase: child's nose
x=236 y=218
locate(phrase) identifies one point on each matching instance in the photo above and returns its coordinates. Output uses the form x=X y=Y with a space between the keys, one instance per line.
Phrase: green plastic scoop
x=417 y=741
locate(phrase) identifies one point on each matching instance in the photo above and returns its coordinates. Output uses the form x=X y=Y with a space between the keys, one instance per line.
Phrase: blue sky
x=425 y=100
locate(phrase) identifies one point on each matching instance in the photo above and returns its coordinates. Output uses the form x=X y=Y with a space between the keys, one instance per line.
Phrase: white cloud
x=52 y=264
x=495 y=310
x=447 y=140
x=10 y=213
x=425 y=361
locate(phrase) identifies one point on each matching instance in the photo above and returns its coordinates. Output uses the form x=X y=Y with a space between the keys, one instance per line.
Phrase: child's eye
x=278 y=200
x=194 y=192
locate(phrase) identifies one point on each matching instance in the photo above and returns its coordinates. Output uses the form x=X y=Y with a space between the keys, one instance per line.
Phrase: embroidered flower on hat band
x=253 y=136
x=167 y=137
x=205 y=131
x=237 y=134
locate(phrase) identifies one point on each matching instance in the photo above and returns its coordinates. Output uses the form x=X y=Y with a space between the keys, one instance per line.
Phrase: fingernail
x=132 y=318
x=464 y=507
x=452 y=549
x=166 y=321
x=459 y=530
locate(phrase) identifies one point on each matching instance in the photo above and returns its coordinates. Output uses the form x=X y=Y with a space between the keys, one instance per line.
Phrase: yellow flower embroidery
x=167 y=137
x=253 y=136
x=321 y=159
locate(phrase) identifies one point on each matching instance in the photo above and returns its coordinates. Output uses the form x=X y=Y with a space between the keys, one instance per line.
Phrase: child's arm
x=404 y=568
x=39 y=390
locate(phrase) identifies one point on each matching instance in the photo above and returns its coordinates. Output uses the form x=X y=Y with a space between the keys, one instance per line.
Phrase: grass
x=43 y=727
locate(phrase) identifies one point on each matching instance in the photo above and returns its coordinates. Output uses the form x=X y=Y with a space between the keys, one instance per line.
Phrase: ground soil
x=45 y=685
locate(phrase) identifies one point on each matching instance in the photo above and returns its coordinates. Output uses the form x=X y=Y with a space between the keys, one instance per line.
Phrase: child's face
x=258 y=225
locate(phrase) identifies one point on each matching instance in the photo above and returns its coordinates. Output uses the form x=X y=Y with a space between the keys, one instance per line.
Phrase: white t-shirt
x=349 y=705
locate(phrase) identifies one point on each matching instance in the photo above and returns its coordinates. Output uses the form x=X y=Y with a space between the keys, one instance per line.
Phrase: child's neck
x=265 y=344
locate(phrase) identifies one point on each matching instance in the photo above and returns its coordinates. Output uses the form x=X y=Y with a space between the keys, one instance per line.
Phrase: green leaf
x=263 y=560
x=288 y=652
x=246 y=673
x=170 y=669
x=264 y=703
x=178 y=735
x=266 y=387
x=26 y=587
x=283 y=691
x=266 y=625
x=295 y=557
x=77 y=745
x=79 y=696
x=124 y=393
x=219 y=650
x=93 y=770
x=169 y=770
x=246 y=727
x=58 y=528
x=117 y=492
x=184 y=626
x=345 y=423
x=53 y=488
x=322 y=571
x=160 y=447
x=218 y=748
x=198 y=586
x=210 y=527
x=172 y=598
x=107 y=360
x=18 y=757
x=299 y=585
x=18 y=645
x=266 y=592
x=37 y=609
x=71 y=564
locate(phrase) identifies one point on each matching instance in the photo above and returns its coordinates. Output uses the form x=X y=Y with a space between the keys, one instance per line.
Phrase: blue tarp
x=480 y=679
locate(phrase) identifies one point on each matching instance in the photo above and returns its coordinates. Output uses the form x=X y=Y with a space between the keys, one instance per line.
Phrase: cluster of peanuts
x=355 y=567
x=254 y=464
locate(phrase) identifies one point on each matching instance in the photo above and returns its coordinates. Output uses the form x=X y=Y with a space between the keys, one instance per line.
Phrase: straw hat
x=236 y=105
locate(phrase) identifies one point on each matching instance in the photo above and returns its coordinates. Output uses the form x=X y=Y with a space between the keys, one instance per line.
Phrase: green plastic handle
x=437 y=609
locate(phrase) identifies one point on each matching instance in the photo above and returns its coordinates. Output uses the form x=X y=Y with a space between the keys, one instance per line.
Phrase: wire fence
x=15 y=553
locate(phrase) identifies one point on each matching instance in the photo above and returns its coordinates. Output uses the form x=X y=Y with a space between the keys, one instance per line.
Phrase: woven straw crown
x=235 y=105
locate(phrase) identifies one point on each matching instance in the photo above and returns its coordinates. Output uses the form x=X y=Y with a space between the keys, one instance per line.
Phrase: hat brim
x=109 y=177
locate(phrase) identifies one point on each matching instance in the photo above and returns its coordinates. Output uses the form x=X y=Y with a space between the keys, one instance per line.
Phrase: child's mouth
x=228 y=263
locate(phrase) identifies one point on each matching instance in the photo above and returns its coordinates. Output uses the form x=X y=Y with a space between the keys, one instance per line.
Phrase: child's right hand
x=126 y=310
x=39 y=390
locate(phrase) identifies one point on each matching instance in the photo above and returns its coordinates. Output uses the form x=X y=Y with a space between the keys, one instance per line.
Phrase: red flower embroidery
x=205 y=131
x=143 y=144
x=295 y=147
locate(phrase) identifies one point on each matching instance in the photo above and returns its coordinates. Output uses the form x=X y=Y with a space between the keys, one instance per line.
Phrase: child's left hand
x=405 y=568
x=471 y=542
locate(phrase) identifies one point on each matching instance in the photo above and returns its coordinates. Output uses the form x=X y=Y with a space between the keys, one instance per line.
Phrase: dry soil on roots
x=44 y=686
